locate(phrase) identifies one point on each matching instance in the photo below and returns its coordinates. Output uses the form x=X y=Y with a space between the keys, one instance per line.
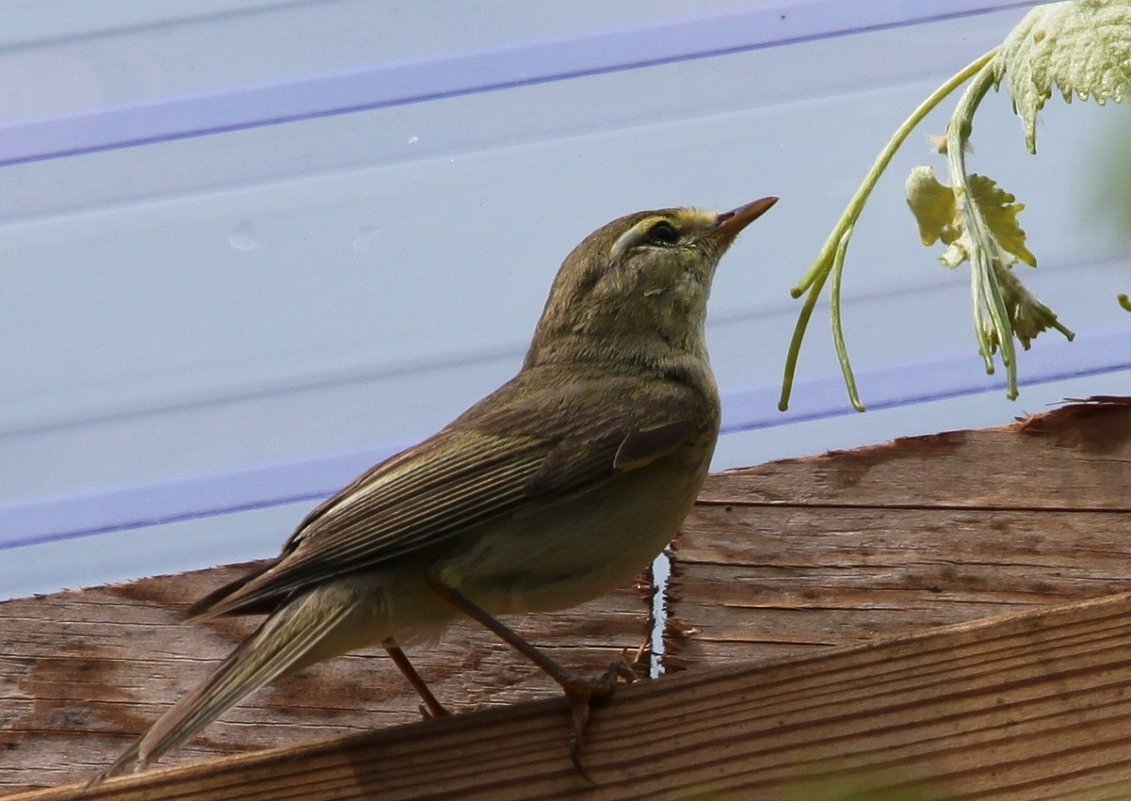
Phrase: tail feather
x=121 y=765
x=287 y=641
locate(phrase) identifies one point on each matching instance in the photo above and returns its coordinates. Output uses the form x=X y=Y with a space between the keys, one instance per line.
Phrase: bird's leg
x=434 y=708
x=579 y=690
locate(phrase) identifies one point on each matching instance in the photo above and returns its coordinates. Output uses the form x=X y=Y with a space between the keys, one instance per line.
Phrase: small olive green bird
x=562 y=484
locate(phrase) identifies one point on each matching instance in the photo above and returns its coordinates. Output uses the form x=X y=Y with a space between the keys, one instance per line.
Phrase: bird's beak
x=730 y=223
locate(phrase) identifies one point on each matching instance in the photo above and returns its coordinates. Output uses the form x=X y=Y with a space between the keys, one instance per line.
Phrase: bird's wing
x=515 y=453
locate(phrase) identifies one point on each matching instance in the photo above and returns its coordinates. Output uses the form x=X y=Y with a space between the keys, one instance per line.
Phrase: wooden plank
x=1074 y=457
x=84 y=672
x=923 y=531
x=882 y=541
x=1019 y=708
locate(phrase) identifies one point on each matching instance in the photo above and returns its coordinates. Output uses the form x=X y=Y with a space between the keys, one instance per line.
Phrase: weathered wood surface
x=1022 y=708
x=923 y=531
x=776 y=561
x=84 y=672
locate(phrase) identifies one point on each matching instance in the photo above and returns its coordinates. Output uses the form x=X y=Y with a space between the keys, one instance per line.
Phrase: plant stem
x=814 y=279
x=838 y=329
x=798 y=335
x=856 y=204
x=985 y=289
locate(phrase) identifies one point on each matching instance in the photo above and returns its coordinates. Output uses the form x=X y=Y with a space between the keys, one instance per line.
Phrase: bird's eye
x=663 y=233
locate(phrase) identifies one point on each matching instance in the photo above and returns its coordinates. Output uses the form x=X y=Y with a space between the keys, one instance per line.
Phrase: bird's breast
x=580 y=549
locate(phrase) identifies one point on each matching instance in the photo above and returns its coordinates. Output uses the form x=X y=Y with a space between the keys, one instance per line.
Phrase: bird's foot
x=581 y=691
x=433 y=713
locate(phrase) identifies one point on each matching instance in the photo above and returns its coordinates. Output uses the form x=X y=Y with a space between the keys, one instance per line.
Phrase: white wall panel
x=245 y=252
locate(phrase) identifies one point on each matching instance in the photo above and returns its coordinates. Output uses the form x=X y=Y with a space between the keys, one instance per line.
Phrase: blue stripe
x=383 y=85
x=116 y=509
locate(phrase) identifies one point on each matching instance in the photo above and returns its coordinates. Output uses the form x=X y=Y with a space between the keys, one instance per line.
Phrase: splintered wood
x=807 y=622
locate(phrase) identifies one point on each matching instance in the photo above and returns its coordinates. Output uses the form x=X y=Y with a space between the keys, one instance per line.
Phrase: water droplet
x=366 y=237
x=244 y=237
x=412 y=140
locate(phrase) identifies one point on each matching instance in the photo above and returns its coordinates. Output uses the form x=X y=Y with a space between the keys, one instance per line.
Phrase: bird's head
x=638 y=284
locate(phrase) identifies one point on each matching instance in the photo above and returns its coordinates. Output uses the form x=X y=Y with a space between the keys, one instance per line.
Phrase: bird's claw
x=581 y=692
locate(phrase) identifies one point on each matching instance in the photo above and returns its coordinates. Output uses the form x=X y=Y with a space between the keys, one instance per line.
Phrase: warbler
x=562 y=484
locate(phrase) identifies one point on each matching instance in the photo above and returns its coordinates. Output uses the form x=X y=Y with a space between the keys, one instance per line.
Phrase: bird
x=562 y=484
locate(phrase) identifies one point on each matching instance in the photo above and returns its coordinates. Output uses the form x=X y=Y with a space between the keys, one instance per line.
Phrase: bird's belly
x=580 y=549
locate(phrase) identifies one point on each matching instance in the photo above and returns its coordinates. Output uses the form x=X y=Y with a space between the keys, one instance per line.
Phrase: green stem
x=983 y=282
x=795 y=341
x=838 y=329
x=815 y=277
x=856 y=204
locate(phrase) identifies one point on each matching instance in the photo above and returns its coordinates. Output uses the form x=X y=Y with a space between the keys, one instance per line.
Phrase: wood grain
x=804 y=595
x=923 y=531
x=1073 y=458
x=84 y=672
x=1019 y=708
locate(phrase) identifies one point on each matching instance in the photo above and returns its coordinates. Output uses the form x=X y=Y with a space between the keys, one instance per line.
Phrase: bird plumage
x=555 y=488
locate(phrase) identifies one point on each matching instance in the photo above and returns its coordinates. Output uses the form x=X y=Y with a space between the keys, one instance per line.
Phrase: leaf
x=1082 y=48
x=1001 y=239
x=933 y=205
x=938 y=215
x=1028 y=315
x=999 y=211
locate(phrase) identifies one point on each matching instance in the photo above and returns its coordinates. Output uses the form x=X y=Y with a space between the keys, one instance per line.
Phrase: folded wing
x=516 y=453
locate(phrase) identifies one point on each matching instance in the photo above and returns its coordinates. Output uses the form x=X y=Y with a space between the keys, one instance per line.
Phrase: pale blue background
x=247 y=249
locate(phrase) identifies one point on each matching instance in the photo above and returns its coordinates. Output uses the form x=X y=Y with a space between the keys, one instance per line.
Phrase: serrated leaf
x=1028 y=315
x=997 y=243
x=933 y=205
x=1000 y=212
x=937 y=214
x=1082 y=48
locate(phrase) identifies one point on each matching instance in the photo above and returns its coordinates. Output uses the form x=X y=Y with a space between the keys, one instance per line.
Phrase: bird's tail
x=303 y=632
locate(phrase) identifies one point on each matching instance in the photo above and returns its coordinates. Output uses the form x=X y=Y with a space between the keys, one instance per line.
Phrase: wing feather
x=515 y=453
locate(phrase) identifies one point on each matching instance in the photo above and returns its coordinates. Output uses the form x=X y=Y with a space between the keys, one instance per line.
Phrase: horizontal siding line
x=51 y=519
x=525 y=63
